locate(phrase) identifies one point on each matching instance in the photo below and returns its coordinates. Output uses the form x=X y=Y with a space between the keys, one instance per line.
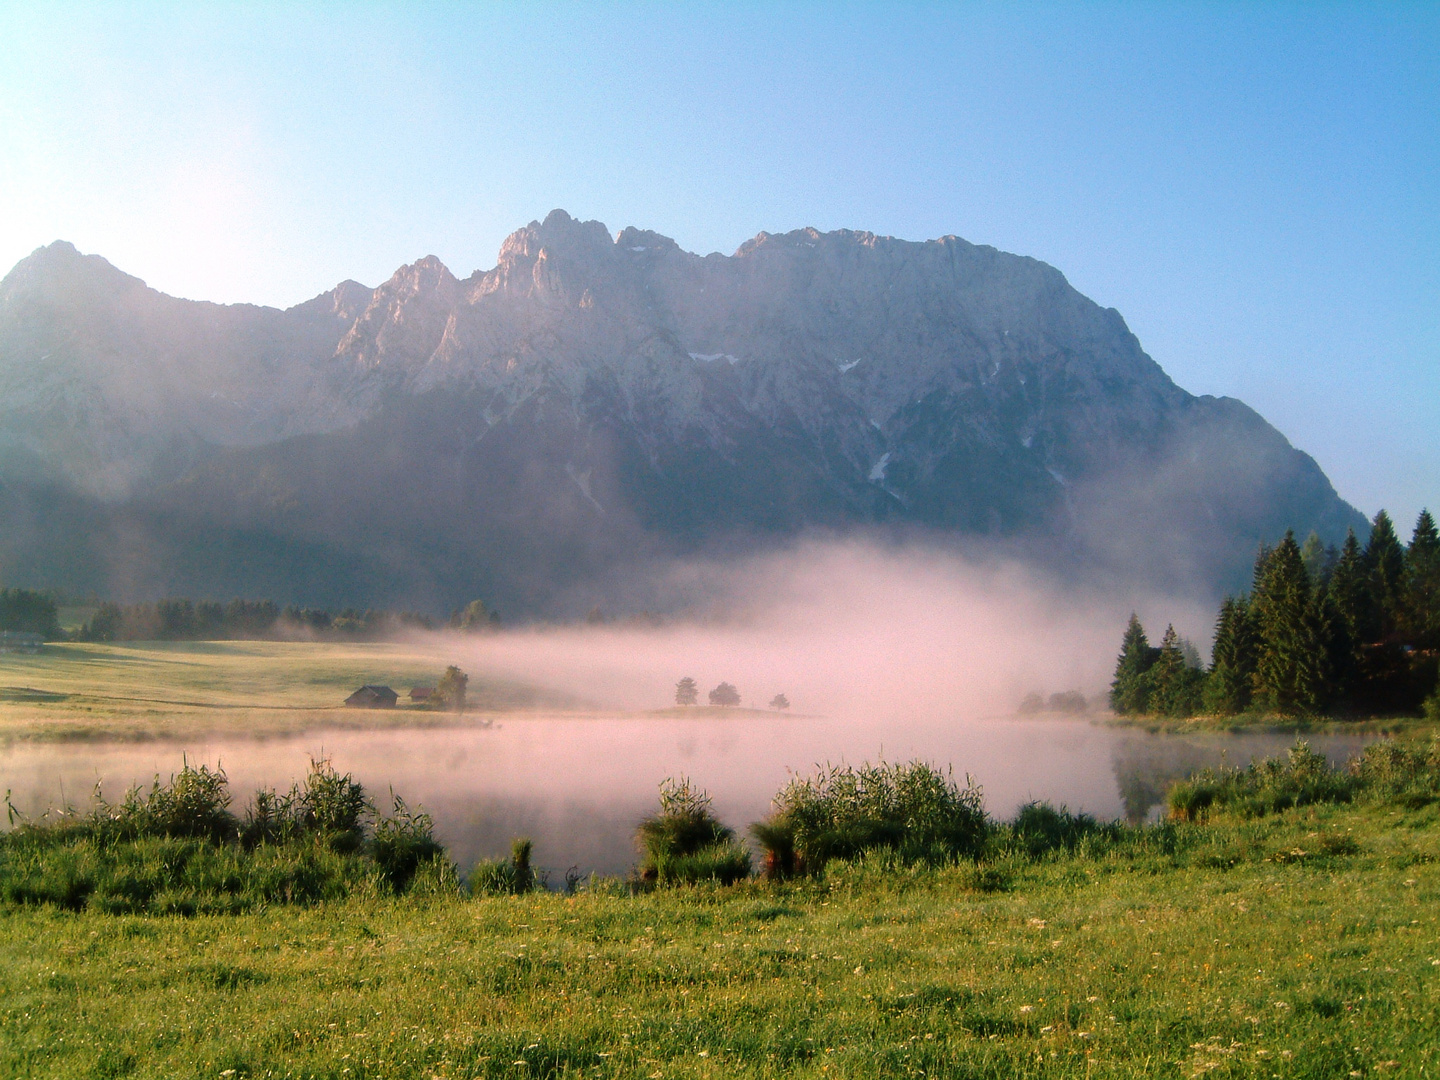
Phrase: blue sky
x=1255 y=187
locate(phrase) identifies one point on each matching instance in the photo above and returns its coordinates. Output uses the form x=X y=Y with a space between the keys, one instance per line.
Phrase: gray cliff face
x=596 y=398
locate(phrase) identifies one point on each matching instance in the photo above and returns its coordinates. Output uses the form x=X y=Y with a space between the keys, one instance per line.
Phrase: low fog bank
x=847 y=629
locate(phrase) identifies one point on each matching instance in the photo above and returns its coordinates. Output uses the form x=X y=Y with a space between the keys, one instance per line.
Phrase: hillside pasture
x=180 y=689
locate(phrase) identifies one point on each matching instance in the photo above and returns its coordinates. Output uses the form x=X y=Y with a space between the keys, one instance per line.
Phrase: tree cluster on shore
x=1353 y=631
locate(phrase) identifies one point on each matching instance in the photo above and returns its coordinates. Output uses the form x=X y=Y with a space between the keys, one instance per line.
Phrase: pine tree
x=1262 y=560
x=1384 y=561
x=1174 y=684
x=1230 y=685
x=1350 y=615
x=1421 y=606
x=1130 y=690
x=1319 y=559
x=1290 y=669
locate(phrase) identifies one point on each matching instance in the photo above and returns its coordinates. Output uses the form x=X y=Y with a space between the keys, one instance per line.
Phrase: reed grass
x=915 y=810
x=685 y=843
x=178 y=849
x=1386 y=771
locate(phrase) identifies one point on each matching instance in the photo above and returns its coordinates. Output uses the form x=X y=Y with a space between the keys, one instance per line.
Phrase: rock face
x=594 y=402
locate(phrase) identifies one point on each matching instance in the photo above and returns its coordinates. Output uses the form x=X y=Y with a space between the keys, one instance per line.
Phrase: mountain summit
x=594 y=401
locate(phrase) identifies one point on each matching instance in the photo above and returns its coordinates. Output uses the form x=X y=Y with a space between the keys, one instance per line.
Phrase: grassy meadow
x=1303 y=944
x=183 y=688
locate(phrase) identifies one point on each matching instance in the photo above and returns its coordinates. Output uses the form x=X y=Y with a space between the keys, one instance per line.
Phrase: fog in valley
x=884 y=651
x=906 y=637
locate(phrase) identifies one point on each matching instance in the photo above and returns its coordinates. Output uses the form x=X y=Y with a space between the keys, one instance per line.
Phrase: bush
x=157 y=875
x=194 y=804
x=685 y=842
x=914 y=810
x=1408 y=774
x=1431 y=708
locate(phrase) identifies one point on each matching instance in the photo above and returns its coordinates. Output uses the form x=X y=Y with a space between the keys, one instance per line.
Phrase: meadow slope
x=1304 y=944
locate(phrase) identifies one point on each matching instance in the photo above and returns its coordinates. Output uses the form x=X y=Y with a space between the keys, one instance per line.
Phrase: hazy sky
x=1255 y=187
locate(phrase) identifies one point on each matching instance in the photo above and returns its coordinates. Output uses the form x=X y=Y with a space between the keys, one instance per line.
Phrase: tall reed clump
x=914 y=810
x=328 y=805
x=1040 y=829
x=686 y=843
x=179 y=849
x=514 y=876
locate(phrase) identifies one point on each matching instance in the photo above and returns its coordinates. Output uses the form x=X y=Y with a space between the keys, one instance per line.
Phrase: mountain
x=540 y=431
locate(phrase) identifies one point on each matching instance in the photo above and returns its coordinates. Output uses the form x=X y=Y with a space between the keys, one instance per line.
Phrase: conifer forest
x=1347 y=632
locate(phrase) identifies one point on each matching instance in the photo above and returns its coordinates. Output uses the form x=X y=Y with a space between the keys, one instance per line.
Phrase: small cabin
x=13 y=641
x=373 y=697
x=419 y=695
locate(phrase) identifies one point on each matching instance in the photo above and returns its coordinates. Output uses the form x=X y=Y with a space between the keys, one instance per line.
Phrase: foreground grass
x=180 y=689
x=1303 y=944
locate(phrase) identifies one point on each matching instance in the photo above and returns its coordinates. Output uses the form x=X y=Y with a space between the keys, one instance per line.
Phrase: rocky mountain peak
x=636 y=241
x=592 y=396
x=59 y=273
x=347 y=302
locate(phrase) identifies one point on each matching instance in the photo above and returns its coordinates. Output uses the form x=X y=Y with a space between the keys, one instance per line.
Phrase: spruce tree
x=1349 y=620
x=1130 y=690
x=1421 y=606
x=1319 y=559
x=1349 y=589
x=1230 y=684
x=1174 y=684
x=1290 y=670
x=1384 y=561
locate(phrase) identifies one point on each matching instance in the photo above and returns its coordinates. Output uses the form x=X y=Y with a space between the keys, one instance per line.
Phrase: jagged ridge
x=591 y=400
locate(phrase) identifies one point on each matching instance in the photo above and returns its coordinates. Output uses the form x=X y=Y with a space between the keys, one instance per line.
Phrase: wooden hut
x=373 y=697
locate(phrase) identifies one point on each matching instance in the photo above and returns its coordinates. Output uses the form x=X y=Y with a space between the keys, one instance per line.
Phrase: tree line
x=206 y=620
x=29 y=612
x=1345 y=631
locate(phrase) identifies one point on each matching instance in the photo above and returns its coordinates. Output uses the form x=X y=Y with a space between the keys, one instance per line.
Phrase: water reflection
x=578 y=786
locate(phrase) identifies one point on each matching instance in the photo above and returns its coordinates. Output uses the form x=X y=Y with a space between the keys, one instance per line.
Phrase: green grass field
x=1305 y=944
x=153 y=689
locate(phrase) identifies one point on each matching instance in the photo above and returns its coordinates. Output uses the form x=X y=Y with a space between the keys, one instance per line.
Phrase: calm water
x=578 y=786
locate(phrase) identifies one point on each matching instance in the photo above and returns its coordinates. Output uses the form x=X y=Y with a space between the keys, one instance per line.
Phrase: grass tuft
x=686 y=843
x=915 y=811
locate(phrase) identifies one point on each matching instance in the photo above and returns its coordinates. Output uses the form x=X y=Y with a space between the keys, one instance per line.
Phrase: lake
x=578 y=786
